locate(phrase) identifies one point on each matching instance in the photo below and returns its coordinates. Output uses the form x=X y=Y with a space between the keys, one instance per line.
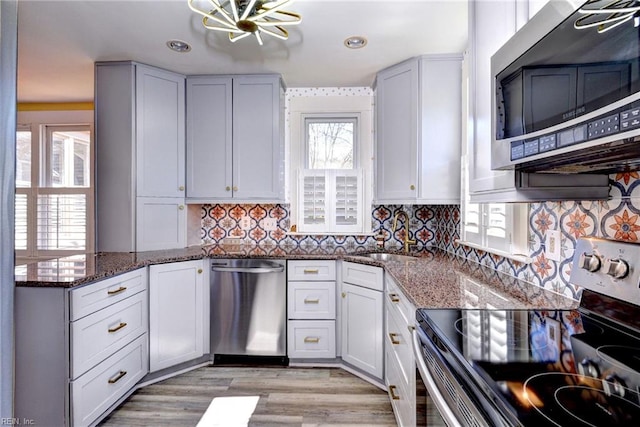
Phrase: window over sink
x=330 y=144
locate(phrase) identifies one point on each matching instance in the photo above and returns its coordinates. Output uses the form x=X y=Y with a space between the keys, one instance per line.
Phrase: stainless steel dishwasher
x=248 y=310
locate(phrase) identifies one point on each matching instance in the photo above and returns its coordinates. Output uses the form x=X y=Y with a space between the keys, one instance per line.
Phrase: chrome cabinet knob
x=616 y=268
x=589 y=262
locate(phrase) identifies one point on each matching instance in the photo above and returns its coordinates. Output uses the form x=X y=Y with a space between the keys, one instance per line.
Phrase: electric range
x=542 y=367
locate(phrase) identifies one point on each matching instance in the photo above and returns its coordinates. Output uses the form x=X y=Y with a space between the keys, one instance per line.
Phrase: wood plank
x=300 y=397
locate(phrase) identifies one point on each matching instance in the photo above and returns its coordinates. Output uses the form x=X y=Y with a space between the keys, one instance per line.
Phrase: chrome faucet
x=407 y=241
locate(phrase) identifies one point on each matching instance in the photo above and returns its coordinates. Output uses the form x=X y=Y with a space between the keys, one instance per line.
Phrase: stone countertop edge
x=434 y=279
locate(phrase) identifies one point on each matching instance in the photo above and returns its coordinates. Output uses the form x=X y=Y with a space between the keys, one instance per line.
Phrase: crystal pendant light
x=242 y=18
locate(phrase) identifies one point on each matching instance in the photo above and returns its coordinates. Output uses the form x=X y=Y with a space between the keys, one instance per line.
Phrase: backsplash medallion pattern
x=617 y=218
x=431 y=226
x=439 y=226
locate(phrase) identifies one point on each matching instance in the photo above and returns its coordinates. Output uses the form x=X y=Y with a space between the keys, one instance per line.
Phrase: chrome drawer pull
x=312 y=301
x=311 y=339
x=393 y=339
x=394 y=298
x=117 y=291
x=117 y=328
x=311 y=271
x=117 y=377
x=392 y=392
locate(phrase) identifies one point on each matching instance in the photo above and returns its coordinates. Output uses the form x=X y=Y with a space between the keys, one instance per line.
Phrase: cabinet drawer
x=398 y=341
x=311 y=270
x=94 y=392
x=402 y=400
x=98 y=295
x=396 y=300
x=311 y=300
x=362 y=275
x=312 y=339
x=97 y=336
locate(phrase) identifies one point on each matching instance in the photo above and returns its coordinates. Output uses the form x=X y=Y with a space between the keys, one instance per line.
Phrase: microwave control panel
x=621 y=120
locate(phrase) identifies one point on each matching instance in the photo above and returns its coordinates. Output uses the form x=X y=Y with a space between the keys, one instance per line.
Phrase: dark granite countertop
x=431 y=279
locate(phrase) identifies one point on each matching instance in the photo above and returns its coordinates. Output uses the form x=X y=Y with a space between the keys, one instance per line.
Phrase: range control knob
x=616 y=268
x=589 y=368
x=613 y=385
x=589 y=262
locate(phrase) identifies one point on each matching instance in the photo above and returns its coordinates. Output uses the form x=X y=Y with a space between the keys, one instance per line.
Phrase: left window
x=54 y=190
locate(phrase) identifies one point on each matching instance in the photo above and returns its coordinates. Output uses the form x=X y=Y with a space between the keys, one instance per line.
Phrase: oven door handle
x=435 y=394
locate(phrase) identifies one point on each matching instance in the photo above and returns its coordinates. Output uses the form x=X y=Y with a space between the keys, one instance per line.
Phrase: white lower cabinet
x=178 y=313
x=362 y=318
x=95 y=341
x=311 y=339
x=311 y=309
x=400 y=368
x=94 y=392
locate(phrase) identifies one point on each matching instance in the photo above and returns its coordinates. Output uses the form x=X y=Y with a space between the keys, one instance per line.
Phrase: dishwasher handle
x=254 y=270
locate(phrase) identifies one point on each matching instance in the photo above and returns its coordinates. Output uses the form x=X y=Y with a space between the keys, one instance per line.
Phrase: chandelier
x=605 y=15
x=242 y=18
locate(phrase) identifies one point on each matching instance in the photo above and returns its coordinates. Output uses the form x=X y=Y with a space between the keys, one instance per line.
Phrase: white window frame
x=41 y=124
x=336 y=118
x=331 y=107
x=514 y=245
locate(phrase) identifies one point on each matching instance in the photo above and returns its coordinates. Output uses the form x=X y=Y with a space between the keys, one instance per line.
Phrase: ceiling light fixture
x=178 y=46
x=355 y=42
x=242 y=18
x=608 y=16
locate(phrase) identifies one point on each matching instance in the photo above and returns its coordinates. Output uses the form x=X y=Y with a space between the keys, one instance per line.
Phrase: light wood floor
x=288 y=397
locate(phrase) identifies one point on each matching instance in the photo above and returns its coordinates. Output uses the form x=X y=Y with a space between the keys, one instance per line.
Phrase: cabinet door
x=397 y=132
x=258 y=166
x=362 y=328
x=209 y=138
x=161 y=223
x=178 y=313
x=160 y=136
x=491 y=25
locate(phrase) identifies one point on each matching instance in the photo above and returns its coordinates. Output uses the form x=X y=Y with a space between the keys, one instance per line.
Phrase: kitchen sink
x=386 y=256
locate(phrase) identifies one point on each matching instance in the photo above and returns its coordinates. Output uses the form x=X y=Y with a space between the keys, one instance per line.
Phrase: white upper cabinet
x=160 y=132
x=397 y=132
x=140 y=155
x=491 y=24
x=235 y=143
x=209 y=137
x=418 y=116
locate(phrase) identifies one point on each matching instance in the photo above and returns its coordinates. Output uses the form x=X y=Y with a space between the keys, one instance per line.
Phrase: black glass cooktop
x=541 y=367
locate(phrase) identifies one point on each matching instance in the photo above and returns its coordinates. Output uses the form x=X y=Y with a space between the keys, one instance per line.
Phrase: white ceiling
x=58 y=42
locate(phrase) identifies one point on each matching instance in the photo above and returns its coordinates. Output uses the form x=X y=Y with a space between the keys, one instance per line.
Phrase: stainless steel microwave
x=567 y=90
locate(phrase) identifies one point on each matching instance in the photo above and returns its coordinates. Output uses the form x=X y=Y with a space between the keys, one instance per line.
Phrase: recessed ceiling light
x=178 y=46
x=355 y=42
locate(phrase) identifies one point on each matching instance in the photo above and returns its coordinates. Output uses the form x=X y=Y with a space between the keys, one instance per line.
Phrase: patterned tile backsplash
x=431 y=226
x=617 y=218
x=439 y=226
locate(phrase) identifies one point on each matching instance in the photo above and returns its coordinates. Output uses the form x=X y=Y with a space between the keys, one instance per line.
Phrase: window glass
x=330 y=143
x=68 y=158
x=23 y=159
